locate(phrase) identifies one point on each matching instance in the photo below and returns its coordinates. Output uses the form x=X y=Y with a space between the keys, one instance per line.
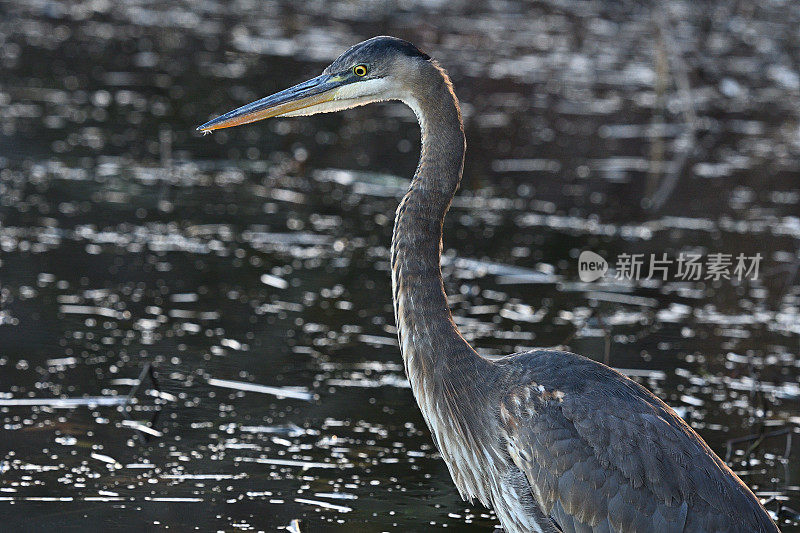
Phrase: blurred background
x=248 y=270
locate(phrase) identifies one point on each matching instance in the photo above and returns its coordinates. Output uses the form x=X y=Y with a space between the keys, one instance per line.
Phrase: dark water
x=259 y=256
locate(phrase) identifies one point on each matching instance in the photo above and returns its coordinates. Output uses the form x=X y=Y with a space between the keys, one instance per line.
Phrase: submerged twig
x=143 y=432
x=688 y=138
x=280 y=392
x=758 y=438
x=65 y=403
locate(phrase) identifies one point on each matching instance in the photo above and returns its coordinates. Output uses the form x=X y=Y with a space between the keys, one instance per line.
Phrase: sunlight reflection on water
x=251 y=267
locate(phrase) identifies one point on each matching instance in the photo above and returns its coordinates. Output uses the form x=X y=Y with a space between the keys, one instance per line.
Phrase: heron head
x=381 y=68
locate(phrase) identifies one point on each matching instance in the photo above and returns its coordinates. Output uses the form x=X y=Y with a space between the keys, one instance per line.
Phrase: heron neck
x=429 y=339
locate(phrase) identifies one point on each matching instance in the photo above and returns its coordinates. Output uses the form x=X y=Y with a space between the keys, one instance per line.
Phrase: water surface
x=250 y=268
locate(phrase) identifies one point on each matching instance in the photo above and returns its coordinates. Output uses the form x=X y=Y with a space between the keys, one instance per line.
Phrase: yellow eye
x=360 y=70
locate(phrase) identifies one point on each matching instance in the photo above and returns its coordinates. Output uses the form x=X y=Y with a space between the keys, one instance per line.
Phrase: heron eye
x=360 y=70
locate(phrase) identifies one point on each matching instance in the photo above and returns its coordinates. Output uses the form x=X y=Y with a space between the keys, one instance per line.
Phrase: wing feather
x=603 y=454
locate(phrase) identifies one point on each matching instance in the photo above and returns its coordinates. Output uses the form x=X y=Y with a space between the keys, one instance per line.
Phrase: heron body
x=551 y=440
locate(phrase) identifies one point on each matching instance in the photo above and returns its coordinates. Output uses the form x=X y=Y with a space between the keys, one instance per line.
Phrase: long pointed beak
x=307 y=94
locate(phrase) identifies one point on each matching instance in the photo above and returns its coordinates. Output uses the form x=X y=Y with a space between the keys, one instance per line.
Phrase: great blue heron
x=551 y=440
